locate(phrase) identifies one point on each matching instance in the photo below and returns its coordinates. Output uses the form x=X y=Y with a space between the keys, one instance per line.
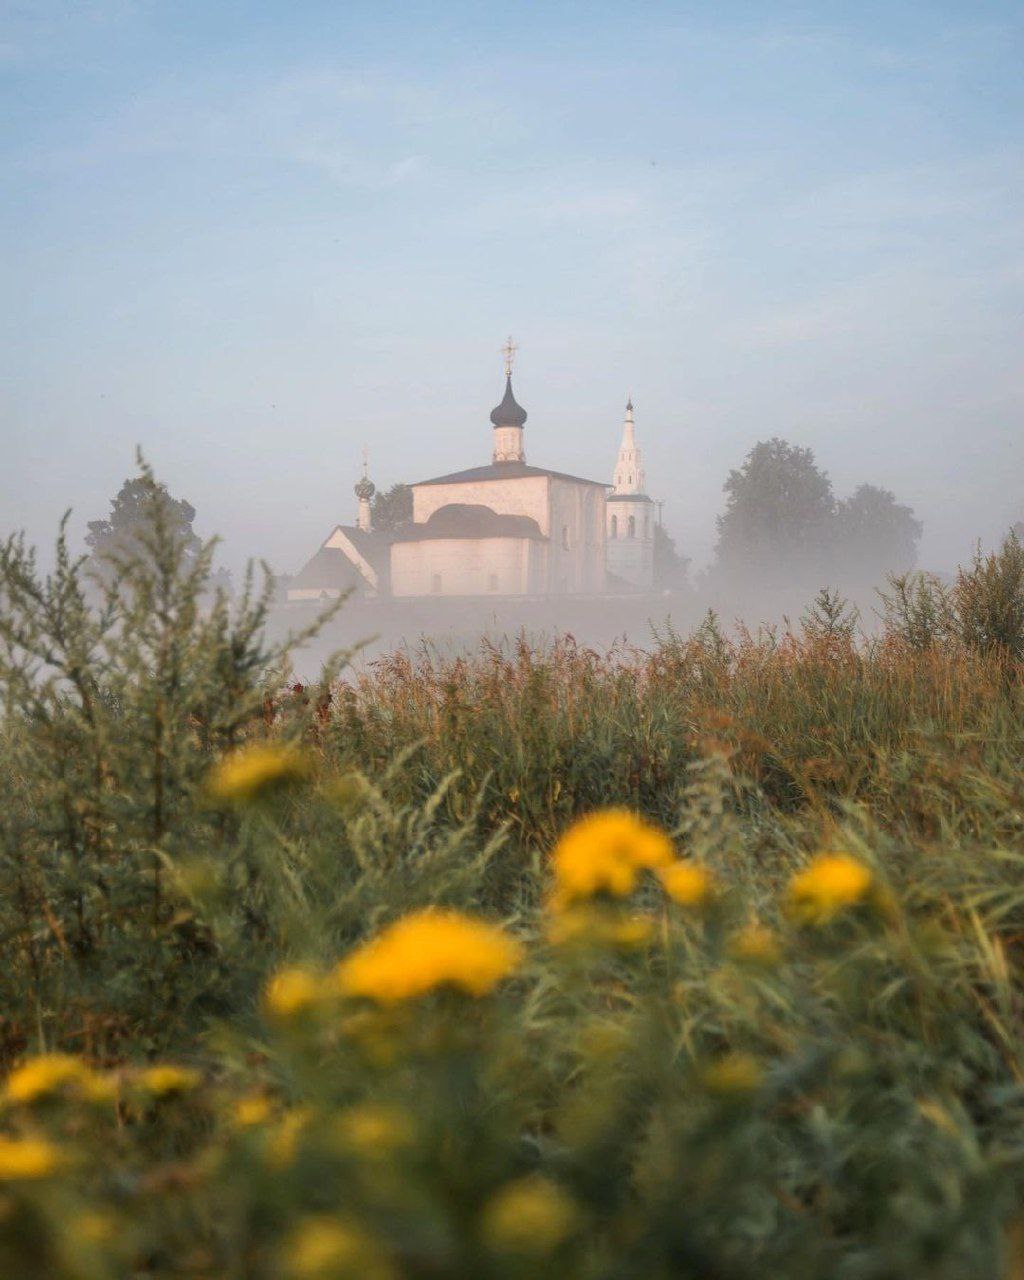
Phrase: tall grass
x=699 y=1086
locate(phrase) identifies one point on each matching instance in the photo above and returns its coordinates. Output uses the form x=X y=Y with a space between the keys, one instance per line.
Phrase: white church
x=507 y=528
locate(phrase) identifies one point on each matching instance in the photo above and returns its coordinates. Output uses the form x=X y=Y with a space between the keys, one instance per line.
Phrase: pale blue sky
x=253 y=237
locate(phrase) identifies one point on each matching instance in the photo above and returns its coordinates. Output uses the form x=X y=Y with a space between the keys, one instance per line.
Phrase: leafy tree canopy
x=670 y=568
x=782 y=523
x=875 y=535
x=139 y=506
x=778 y=515
x=392 y=508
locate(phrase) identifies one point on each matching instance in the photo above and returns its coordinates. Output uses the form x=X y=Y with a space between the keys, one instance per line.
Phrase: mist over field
x=255 y=243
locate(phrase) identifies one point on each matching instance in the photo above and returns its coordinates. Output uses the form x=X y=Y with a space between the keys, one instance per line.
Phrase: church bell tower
x=629 y=522
x=508 y=418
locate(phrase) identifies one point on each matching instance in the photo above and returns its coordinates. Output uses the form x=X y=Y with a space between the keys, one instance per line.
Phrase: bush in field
x=702 y=962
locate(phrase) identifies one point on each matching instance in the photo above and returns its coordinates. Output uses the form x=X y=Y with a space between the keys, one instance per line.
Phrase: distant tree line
x=784 y=524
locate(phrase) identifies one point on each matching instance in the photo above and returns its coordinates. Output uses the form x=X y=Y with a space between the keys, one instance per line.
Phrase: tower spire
x=364 y=491
x=629 y=470
x=508 y=417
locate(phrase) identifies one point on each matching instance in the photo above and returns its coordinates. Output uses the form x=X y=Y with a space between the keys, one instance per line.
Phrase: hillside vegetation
x=701 y=962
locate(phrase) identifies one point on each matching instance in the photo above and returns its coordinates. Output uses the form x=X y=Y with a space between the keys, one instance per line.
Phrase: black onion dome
x=508 y=413
x=365 y=488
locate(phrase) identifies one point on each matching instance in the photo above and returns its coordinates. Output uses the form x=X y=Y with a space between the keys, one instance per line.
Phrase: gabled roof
x=506 y=471
x=469 y=520
x=372 y=546
x=329 y=569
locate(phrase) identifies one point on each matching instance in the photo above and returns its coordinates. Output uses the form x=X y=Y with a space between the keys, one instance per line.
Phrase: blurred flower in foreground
x=687 y=883
x=374 y=1130
x=605 y=853
x=755 y=945
x=733 y=1074
x=166 y=1079
x=325 y=1248
x=291 y=992
x=51 y=1073
x=427 y=950
x=531 y=1216
x=28 y=1159
x=830 y=885
x=254 y=1109
x=253 y=772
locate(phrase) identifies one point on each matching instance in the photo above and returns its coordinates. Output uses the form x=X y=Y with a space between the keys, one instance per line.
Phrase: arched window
x=647 y=527
x=632 y=526
x=615 y=526
x=565 y=536
x=492 y=582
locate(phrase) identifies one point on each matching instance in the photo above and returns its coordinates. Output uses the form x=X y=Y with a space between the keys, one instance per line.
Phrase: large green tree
x=875 y=535
x=778 y=522
x=139 y=506
x=392 y=508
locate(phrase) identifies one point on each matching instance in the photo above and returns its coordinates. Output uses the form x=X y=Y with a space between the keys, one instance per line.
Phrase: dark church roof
x=331 y=568
x=505 y=471
x=508 y=413
x=372 y=545
x=629 y=497
x=469 y=520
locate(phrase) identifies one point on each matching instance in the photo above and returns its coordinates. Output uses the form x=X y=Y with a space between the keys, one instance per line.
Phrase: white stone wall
x=577 y=559
x=468 y=567
x=525 y=496
x=631 y=558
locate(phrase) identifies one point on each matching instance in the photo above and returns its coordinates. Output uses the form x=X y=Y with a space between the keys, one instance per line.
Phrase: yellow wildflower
x=530 y=1216
x=291 y=992
x=45 y=1075
x=427 y=950
x=687 y=883
x=755 y=945
x=590 y=926
x=733 y=1073
x=28 y=1159
x=326 y=1248
x=283 y=1145
x=374 y=1129
x=255 y=771
x=166 y=1079
x=831 y=884
x=251 y=1110
x=605 y=853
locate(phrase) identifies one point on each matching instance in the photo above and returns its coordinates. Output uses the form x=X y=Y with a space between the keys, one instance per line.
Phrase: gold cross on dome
x=509 y=352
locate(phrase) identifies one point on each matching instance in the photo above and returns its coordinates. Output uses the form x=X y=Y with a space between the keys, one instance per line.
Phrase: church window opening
x=647 y=526
x=492 y=582
x=565 y=536
x=435 y=583
x=615 y=526
x=632 y=526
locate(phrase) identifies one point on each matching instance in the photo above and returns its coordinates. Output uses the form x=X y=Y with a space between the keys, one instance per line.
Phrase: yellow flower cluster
x=28 y=1159
x=165 y=1079
x=687 y=883
x=427 y=950
x=51 y=1074
x=832 y=883
x=531 y=1216
x=326 y=1248
x=253 y=772
x=292 y=992
x=605 y=852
